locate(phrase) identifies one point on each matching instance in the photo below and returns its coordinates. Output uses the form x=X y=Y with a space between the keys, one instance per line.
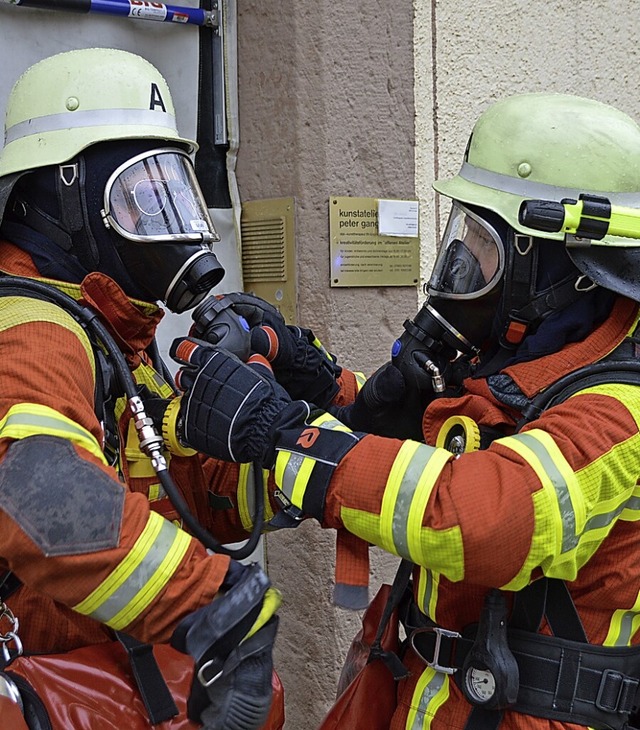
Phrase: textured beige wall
x=329 y=105
x=326 y=108
x=482 y=51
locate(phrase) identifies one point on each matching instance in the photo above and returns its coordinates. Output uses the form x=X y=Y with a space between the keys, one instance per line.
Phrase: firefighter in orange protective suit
x=102 y=217
x=499 y=451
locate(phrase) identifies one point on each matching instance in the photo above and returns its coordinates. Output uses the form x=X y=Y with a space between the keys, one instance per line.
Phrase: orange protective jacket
x=75 y=597
x=560 y=498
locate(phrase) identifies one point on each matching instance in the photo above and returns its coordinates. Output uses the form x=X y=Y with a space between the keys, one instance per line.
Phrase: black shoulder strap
x=398 y=588
x=153 y=689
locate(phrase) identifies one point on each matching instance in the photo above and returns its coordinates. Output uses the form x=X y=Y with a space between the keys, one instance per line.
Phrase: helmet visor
x=155 y=196
x=470 y=260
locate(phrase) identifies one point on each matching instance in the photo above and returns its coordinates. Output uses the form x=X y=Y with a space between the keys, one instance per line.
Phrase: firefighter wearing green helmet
x=498 y=452
x=100 y=208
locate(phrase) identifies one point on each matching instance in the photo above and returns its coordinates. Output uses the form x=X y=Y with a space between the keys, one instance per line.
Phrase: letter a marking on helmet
x=308 y=437
x=156 y=98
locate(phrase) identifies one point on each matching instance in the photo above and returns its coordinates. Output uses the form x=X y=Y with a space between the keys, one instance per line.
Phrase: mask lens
x=150 y=196
x=156 y=197
x=470 y=260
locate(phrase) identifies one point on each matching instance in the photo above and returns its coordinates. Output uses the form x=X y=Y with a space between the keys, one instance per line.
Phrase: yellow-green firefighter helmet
x=69 y=101
x=553 y=147
x=549 y=147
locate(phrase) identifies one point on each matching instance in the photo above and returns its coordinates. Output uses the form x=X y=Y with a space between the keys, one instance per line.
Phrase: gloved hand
x=300 y=363
x=382 y=407
x=231 y=641
x=231 y=410
x=165 y=414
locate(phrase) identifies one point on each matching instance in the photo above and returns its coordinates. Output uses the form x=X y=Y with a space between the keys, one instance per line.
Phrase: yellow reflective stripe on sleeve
x=319 y=346
x=396 y=499
x=541 y=452
x=21 y=310
x=33 y=419
x=398 y=529
x=140 y=576
x=437 y=547
x=293 y=471
x=624 y=625
x=361 y=379
x=559 y=511
x=247 y=495
x=246 y=502
x=326 y=420
x=430 y=693
x=144 y=374
x=574 y=512
x=411 y=480
x=427 y=592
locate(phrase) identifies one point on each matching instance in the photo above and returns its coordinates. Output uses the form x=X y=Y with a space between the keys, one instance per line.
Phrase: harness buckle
x=202 y=677
x=439 y=633
x=616 y=692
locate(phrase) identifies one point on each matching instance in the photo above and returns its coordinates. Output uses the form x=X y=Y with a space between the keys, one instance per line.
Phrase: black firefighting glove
x=231 y=410
x=383 y=407
x=300 y=362
x=231 y=641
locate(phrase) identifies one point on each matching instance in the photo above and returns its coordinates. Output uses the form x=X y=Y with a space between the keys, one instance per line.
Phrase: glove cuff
x=306 y=460
x=171 y=428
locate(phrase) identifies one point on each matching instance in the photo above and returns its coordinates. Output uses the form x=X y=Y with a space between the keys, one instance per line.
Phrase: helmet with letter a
x=495 y=281
x=94 y=168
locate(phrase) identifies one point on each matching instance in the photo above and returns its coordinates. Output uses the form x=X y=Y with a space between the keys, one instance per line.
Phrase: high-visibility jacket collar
x=534 y=376
x=131 y=322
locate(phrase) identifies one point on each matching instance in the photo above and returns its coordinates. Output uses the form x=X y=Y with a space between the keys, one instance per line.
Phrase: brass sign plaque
x=360 y=256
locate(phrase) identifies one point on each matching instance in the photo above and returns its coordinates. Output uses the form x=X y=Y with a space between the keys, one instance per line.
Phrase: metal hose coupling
x=437 y=379
x=151 y=442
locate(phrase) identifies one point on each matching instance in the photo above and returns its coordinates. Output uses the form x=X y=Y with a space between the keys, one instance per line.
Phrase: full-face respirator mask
x=462 y=297
x=154 y=201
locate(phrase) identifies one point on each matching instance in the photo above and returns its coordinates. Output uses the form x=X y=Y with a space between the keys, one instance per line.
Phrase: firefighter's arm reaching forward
x=451 y=515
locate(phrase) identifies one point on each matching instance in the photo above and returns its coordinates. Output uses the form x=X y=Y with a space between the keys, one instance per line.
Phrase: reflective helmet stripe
x=140 y=576
x=532 y=189
x=91 y=118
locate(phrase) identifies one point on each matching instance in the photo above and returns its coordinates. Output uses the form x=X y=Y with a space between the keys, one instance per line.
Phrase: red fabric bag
x=367 y=689
x=93 y=688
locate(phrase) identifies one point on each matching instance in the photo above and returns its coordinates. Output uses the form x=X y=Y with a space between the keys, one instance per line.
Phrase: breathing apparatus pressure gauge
x=489 y=674
x=480 y=684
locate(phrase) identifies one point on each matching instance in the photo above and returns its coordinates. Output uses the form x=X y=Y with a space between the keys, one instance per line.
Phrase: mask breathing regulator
x=423 y=352
x=461 y=296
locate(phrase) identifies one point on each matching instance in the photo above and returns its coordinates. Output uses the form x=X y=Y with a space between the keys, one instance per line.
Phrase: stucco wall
x=326 y=108
x=330 y=100
x=483 y=51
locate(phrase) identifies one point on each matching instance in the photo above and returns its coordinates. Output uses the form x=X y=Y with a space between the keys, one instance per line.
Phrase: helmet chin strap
x=71 y=232
x=74 y=216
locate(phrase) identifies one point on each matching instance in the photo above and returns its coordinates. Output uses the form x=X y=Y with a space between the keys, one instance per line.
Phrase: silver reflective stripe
x=429 y=692
x=43 y=423
x=567 y=514
x=405 y=496
x=627 y=628
x=597 y=522
x=140 y=577
x=290 y=474
x=531 y=189
x=90 y=118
